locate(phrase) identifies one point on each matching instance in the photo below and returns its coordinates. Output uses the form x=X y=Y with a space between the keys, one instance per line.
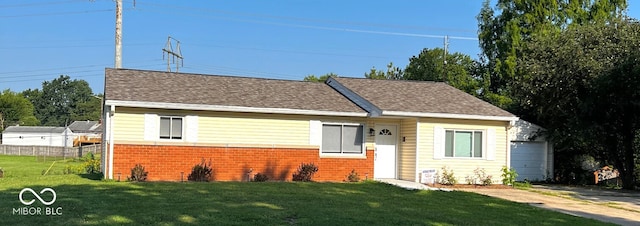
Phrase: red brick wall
x=164 y=163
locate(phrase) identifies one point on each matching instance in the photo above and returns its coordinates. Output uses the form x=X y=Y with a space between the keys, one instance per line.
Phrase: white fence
x=70 y=152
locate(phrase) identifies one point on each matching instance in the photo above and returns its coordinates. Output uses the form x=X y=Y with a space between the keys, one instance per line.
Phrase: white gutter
x=202 y=107
x=449 y=116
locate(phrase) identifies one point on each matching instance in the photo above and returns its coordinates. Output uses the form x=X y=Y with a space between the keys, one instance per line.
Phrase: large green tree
x=583 y=85
x=505 y=29
x=15 y=109
x=62 y=100
x=459 y=70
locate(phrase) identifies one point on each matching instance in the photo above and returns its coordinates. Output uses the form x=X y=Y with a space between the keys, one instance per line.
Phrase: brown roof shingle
x=420 y=97
x=185 y=88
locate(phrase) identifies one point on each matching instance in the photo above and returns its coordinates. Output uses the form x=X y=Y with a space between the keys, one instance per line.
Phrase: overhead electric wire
x=71 y=46
x=283 y=50
x=58 y=13
x=329 y=28
x=207 y=13
x=40 y=4
x=40 y=77
x=298 y=19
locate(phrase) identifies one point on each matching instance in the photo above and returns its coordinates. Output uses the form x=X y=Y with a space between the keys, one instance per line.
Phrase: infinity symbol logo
x=37 y=196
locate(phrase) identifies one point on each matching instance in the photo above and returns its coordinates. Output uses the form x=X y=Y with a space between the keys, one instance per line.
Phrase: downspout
x=111 y=113
x=417 y=150
x=511 y=124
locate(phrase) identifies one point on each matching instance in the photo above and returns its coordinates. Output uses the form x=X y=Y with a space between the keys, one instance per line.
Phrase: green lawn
x=84 y=201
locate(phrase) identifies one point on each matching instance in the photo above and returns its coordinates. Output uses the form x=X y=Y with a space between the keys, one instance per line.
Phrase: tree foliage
x=460 y=70
x=323 y=78
x=62 y=100
x=583 y=86
x=392 y=73
x=15 y=109
x=504 y=30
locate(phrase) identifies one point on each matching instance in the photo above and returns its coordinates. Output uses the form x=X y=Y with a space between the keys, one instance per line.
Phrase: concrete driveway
x=618 y=207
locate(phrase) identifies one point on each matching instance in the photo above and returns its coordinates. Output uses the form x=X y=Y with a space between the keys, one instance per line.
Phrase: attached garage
x=531 y=155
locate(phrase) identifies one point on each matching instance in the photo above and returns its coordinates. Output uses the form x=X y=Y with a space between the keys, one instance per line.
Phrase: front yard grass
x=93 y=202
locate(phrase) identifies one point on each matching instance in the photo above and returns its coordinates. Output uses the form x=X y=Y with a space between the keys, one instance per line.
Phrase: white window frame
x=362 y=153
x=171 y=117
x=483 y=145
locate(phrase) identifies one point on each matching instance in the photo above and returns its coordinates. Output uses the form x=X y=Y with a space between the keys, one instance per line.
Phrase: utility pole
x=174 y=56
x=444 y=58
x=118 y=63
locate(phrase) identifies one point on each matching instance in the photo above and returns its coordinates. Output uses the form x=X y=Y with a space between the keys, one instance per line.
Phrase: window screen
x=171 y=128
x=331 y=137
x=346 y=139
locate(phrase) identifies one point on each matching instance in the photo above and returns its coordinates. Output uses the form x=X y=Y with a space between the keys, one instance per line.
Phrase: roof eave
x=226 y=108
x=510 y=119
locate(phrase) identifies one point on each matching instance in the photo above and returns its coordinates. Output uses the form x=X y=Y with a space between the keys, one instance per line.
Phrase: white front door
x=384 y=163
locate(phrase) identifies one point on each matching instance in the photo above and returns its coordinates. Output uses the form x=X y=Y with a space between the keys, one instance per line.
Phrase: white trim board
x=449 y=116
x=202 y=107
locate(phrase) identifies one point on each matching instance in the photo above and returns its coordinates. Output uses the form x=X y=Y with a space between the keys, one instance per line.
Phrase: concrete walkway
x=618 y=207
x=587 y=204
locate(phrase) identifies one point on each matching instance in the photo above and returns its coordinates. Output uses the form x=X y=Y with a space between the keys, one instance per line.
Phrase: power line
x=40 y=77
x=71 y=46
x=59 y=13
x=285 y=51
x=332 y=28
x=65 y=68
x=39 y=4
x=298 y=19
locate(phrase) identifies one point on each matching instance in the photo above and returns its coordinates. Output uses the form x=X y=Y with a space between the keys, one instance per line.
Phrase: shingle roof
x=420 y=97
x=184 y=88
x=34 y=129
x=85 y=127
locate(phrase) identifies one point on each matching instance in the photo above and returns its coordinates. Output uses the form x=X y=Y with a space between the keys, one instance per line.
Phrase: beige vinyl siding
x=462 y=167
x=254 y=130
x=407 y=149
x=128 y=125
x=232 y=128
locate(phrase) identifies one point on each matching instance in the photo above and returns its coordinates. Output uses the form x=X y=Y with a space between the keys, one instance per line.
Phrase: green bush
x=91 y=164
x=353 y=176
x=201 y=172
x=448 y=178
x=259 y=177
x=508 y=176
x=138 y=174
x=305 y=172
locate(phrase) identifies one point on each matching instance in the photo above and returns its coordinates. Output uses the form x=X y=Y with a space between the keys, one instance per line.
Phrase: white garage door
x=528 y=159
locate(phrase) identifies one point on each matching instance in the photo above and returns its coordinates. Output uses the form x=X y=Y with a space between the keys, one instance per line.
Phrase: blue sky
x=40 y=40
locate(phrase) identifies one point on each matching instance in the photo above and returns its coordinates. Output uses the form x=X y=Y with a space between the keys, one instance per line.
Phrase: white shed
x=37 y=135
x=531 y=154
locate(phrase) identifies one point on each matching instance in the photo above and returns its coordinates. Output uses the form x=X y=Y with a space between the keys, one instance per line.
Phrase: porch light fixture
x=372 y=132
